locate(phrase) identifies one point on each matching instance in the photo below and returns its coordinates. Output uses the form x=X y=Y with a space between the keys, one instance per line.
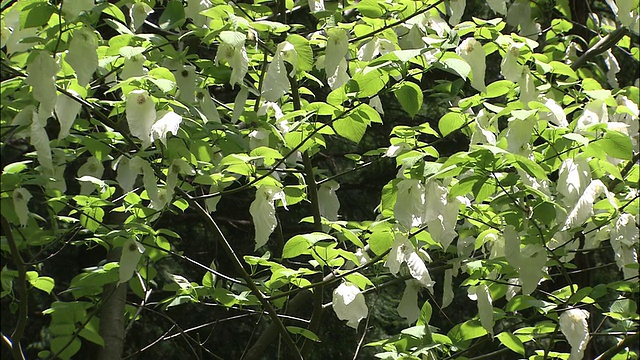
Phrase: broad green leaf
x=43 y=283
x=498 y=88
x=450 y=122
x=425 y=314
x=173 y=15
x=617 y=145
x=409 y=95
x=303 y=50
x=511 y=341
x=351 y=127
x=368 y=83
x=304 y=332
x=300 y=244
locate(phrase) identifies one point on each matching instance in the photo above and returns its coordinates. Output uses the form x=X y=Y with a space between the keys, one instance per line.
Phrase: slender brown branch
x=23 y=300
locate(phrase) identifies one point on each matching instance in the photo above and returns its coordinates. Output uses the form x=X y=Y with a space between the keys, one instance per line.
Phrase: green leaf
x=370 y=8
x=450 y=122
x=172 y=16
x=351 y=127
x=369 y=83
x=92 y=336
x=468 y=330
x=36 y=14
x=43 y=283
x=380 y=240
x=563 y=69
x=425 y=314
x=453 y=63
x=304 y=51
x=304 y=332
x=300 y=244
x=410 y=97
x=66 y=346
x=511 y=341
x=498 y=88
x=617 y=145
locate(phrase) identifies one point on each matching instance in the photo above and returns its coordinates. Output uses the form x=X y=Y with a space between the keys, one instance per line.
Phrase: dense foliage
x=449 y=179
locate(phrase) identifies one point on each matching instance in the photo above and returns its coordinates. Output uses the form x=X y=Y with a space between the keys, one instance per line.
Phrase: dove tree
x=511 y=128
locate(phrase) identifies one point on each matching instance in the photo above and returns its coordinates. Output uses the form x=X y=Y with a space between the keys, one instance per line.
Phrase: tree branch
x=23 y=307
x=611 y=352
x=601 y=46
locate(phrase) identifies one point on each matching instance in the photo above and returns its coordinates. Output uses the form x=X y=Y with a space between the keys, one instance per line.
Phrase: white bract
x=408 y=307
x=82 y=55
x=335 y=63
x=40 y=141
x=583 y=208
x=186 y=82
x=483 y=135
x=532 y=269
x=177 y=167
x=573 y=324
x=42 y=78
x=519 y=14
x=595 y=112
x=133 y=67
x=328 y=202
x=131 y=253
x=208 y=108
x=316 y=5
x=276 y=82
x=141 y=115
x=613 y=68
x=482 y=296
x=555 y=115
x=239 y=103
x=14 y=37
x=402 y=251
x=410 y=203
x=138 y=14
x=473 y=53
x=441 y=213
x=447 y=288
x=624 y=240
x=573 y=178
x=232 y=51
x=263 y=212
x=510 y=68
x=349 y=304
x=193 y=9
x=66 y=110
x=457 y=10
x=499 y=6
x=21 y=197
x=528 y=91
x=93 y=168
x=168 y=122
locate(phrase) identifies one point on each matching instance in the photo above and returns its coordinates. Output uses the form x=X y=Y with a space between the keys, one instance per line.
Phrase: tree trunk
x=112 y=317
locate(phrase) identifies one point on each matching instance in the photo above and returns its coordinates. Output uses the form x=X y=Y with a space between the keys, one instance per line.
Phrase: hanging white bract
x=141 y=115
x=232 y=51
x=349 y=304
x=573 y=324
x=82 y=55
x=263 y=212
x=131 y=253
x=402 y=251
x=473 y=53
x=21 y=197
